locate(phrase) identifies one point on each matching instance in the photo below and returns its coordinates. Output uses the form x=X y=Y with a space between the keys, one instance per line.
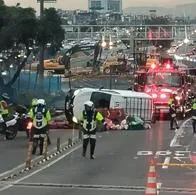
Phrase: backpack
x=40 y=114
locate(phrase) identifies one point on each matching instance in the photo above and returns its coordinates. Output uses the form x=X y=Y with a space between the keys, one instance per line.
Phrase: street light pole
x=41 y=57
x=110 y=78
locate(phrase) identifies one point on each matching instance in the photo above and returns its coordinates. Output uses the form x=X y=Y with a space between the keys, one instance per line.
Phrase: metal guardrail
x=139 y=32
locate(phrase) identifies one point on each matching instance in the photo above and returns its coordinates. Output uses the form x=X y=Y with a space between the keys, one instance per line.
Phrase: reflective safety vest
x=40 y=116
x=89 y=123
x=171 y=100
x=3 y=107
x=194 y=111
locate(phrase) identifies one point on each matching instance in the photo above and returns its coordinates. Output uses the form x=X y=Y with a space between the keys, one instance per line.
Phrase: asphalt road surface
x=121 y=165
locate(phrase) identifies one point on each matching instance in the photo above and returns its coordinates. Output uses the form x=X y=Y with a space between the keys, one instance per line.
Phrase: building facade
x=105 y=6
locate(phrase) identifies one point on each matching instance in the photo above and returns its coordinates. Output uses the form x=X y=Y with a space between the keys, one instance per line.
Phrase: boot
x=92 y=157
x=92 y=148
x=85 y=144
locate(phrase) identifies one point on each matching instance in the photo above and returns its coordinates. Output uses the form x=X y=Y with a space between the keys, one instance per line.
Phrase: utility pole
x=41 y=50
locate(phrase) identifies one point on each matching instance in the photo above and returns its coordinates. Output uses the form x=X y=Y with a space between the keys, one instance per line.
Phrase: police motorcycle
x=23 y=119
x=9 y=128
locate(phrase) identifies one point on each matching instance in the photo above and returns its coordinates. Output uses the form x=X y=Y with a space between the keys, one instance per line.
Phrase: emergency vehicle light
x=153 y=66
x=163 y=96
x=154 y=95
x=168 y=66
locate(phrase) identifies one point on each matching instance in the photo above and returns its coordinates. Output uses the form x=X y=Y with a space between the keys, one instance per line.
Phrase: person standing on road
x=40 y=116
x=69 y=106
x=193 y=108
x=88 y=120
x=173 y=111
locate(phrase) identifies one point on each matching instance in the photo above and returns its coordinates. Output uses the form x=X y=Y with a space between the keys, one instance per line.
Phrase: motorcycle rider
x=89 y=119
x=40 y=116
x=4 y=105
x=173 y=104
x=34 y=103
x=4 y=109
x=193 y=109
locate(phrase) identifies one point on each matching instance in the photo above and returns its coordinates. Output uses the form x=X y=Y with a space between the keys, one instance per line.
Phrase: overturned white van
x=133 y=103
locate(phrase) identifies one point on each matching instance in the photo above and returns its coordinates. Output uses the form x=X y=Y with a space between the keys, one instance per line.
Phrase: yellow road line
x=177 y=164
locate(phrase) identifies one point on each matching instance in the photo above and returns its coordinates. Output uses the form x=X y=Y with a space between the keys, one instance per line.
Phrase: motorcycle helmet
x=88 y=105
x=34 y=102
x=5 y=96
x=41 y=102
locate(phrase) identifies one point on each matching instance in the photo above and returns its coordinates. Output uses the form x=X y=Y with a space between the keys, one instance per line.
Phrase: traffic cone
x=151 y=187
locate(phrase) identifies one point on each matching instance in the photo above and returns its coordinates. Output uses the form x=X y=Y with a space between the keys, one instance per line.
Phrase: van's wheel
x=107 y=70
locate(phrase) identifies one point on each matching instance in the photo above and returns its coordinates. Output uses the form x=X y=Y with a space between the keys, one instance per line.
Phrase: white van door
x=79 y=100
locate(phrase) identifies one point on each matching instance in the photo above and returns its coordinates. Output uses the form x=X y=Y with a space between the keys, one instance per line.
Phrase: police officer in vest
x=40 y=116
x=173 y=111
x=4 y=105
x=89 y=119
x=4 y=111
x=193 y=109
x=69 y=106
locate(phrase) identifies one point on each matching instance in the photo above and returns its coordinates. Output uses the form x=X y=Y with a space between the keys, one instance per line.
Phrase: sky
x=83 y=4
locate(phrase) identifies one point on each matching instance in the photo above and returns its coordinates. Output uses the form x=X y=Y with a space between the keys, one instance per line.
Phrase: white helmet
x=41 y=101
x=89 y=103
x=89 y=106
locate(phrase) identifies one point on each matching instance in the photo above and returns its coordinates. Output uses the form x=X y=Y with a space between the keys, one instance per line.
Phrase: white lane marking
x=41 y=169
x=158 y=187
x=34 y=159
x=178 y=133
x=166 y=162
x=82 y=186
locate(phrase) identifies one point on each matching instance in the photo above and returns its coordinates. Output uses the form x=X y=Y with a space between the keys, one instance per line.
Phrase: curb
x=35 y=164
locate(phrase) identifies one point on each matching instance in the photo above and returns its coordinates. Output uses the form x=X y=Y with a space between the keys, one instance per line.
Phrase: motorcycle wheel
x=12 y=133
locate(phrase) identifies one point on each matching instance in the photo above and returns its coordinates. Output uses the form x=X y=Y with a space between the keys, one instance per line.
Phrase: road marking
x=41 y=169
x=177 y=164
x=144 y=153
x=166 y=162
x=178 y=133
x=158 y=187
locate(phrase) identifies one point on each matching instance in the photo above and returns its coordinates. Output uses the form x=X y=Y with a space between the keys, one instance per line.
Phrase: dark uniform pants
x=194 y=125
x=86 y=140
x=173 y=121
x=37 y=137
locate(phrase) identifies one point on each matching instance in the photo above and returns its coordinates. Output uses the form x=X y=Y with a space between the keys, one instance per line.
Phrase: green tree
x=49 y=31
x=1 y=2
x=17 y=30
x=20 y=29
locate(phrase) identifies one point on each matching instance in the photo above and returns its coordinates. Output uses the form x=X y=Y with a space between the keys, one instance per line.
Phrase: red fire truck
x=160 y=81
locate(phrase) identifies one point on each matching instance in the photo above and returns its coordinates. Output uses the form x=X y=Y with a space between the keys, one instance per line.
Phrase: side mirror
x=74 y=119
